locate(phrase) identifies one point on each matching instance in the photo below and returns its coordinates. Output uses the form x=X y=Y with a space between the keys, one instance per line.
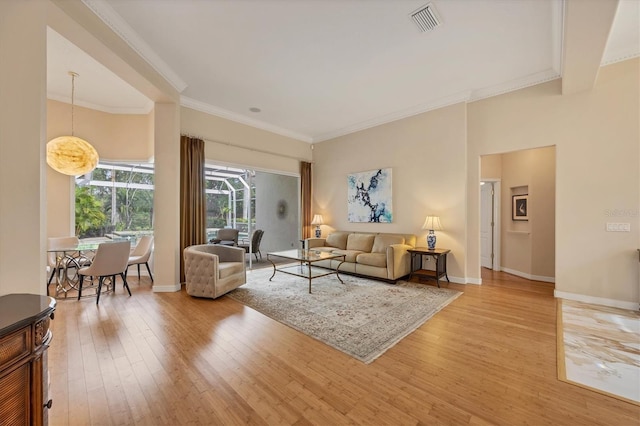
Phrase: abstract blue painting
x=369 y=196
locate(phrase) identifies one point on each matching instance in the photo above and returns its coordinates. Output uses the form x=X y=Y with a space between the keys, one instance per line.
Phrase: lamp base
x=318 y=232
x=431 y=240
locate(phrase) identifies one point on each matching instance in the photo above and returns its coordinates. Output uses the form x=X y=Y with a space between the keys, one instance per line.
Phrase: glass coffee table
x=305 y=268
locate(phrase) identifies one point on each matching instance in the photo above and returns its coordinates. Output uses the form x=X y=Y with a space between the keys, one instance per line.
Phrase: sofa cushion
x=373 y=259
x=361 y=242
x=226 y=269
x=349 y=255
x=382 y=241
x=337 y=240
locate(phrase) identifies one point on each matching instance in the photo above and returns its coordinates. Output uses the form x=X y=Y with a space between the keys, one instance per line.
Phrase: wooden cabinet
x=24 y=340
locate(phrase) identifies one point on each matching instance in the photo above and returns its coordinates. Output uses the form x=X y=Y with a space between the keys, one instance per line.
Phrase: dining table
x=68 y=261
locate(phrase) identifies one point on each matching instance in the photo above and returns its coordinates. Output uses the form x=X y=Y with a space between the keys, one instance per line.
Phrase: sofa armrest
x=310 y=243
x=398 y=261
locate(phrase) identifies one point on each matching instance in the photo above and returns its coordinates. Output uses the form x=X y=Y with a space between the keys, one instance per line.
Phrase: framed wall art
x=520 y=207
x=369 y=197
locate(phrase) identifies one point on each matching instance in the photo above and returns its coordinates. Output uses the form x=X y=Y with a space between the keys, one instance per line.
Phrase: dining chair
x=57 y=263
x=110 y=260
x=141 y=254
x=254 y=248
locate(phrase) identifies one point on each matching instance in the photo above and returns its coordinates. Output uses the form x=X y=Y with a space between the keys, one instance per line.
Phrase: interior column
x=23 y=82
x=166 y=202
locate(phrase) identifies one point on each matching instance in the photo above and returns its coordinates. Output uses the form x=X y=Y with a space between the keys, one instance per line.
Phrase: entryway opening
x=517 y=213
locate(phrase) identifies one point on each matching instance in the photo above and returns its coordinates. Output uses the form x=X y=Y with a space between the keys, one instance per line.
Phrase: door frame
x=497 y=196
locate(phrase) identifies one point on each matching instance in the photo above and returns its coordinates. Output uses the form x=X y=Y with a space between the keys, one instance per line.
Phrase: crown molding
x=394 y=116
x=629 y=54
x=512 y=86
x=468 y=96
x=239 y=118
x=118 y=25
x=110 y=110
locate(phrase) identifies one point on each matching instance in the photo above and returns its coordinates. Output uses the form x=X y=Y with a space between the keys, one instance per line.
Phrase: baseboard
x=166 y=288
x=475 y=281
x=529 y=276
x=462 y=280
x=597 y=300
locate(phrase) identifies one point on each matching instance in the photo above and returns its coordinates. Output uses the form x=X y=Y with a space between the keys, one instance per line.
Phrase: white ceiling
x=323 y=68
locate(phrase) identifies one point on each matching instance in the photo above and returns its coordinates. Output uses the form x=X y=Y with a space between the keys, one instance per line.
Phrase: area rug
x=599 y=349
x=362 y=318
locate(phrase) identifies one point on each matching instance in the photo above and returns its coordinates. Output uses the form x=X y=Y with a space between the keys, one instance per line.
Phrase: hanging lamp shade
x=71 y=155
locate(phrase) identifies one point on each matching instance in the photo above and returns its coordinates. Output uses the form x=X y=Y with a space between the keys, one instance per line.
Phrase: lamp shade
x=71 y=155
x=432 y=223
x=317 y=220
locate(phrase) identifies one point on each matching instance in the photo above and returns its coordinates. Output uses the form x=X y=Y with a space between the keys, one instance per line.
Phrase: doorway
x=526 y=243
x=490 y=224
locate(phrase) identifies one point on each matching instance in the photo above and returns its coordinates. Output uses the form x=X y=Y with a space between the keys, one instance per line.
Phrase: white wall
x=597 y=139
x=528 y=247
x=427 y=154
x=435 y=158
x=22 y=164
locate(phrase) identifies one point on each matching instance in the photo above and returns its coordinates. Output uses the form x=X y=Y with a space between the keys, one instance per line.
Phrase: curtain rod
x=261 y=151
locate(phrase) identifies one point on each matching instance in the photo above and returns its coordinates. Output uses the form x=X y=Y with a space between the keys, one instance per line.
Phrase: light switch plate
x=618 y=227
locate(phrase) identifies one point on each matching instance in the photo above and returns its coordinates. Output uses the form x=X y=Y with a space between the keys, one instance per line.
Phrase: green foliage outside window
x=89 y=212
x=124 y=205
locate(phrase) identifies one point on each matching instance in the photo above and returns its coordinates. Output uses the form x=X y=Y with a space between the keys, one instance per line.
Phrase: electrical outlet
x=618 y=227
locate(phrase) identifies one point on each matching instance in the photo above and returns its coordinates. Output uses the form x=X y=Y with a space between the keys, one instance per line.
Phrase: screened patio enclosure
x=247 y=200
x=230 y=195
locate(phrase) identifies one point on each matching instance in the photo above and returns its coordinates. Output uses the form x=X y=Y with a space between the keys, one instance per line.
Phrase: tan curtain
x=305 y=195
x=193 y=219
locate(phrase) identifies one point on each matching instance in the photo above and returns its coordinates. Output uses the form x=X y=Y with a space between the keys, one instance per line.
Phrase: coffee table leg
x=274 y=268
x=309 y=266
x=338 y=271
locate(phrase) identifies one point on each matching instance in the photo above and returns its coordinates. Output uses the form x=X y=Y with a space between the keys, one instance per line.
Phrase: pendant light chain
x=73 y=91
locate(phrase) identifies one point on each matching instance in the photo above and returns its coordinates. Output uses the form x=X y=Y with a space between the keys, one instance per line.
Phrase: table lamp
x=432 y=223
x=317 y=220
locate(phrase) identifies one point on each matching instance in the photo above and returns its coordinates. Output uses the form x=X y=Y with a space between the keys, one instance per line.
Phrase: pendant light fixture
x=71 y=155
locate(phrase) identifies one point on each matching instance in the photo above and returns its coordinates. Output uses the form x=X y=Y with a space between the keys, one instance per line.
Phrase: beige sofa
x=376 y=255
x=212 y=270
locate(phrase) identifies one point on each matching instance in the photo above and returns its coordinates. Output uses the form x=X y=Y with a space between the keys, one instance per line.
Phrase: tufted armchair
x=213 y=270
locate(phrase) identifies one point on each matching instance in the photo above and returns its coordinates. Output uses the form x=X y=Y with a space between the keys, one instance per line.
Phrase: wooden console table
x=24 y=340
x=440 y=256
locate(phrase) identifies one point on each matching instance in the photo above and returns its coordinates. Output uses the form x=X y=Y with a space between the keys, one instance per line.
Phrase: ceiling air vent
x=426 y=18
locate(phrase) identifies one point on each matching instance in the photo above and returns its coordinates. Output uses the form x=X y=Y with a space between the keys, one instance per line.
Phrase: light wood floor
x=169 y=359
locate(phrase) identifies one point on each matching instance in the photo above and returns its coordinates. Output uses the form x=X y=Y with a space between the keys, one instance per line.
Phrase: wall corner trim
x=166 y=288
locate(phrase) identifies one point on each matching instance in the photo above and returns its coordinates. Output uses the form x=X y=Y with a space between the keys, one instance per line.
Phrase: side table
x=440 y=256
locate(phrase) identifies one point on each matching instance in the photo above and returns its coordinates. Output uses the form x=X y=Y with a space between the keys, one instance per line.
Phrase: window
x=115 y=200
